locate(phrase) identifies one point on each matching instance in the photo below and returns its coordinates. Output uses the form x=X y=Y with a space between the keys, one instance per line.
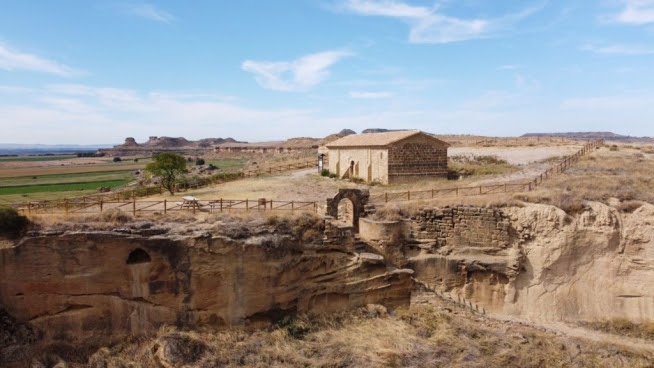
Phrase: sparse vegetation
x=199 y=162
x=623 y=327
x=324 y=172
x=420 y=336
x=469 y=165
x=117 y=159
x=12 y=224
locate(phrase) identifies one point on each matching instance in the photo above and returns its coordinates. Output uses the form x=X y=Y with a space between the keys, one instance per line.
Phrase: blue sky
x=95 y=72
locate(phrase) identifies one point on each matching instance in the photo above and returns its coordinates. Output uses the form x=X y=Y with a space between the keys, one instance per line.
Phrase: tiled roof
x=377 y=139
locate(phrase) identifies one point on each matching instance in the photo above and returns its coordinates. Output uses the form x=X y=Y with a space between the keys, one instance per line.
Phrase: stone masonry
x=462 y=227
x=416 y=160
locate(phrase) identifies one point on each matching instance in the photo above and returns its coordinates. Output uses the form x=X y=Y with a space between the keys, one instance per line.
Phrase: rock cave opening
x=137 y=256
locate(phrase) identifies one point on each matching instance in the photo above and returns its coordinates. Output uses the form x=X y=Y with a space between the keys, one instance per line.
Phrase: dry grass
x=420 y=336
x=623 y=327
x=624 y=174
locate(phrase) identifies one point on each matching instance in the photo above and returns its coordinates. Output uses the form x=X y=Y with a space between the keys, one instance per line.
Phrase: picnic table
x=190 y=202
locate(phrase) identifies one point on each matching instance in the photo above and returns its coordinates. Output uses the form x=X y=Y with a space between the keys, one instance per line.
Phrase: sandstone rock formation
x=536 y=261
x=98 y=287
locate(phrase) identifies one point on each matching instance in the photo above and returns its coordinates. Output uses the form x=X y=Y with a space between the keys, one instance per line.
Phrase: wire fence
x=559 y=168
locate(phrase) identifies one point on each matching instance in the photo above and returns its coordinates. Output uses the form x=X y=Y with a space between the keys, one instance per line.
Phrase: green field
x=65 y=178
x=66 y=187
x=227 y=164
x=36 y=158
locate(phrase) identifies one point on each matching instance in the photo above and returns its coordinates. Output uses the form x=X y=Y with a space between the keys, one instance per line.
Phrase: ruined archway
x=346 y=211
x=358 y=197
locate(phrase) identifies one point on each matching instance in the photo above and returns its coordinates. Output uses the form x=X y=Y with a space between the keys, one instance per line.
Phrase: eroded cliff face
x=538 y=262
x=96 y=288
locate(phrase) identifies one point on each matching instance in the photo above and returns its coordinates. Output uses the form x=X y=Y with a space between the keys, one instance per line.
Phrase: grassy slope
x=420 y=336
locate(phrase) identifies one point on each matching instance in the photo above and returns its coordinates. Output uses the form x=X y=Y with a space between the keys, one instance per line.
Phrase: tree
x=168 y=166
x=199 y=161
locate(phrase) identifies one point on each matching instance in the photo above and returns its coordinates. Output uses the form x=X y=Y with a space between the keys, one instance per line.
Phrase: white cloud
x=387 y=8
x=370 y=95
x=89 y=114
x=297 y=75
x=636 y=12
x=430 y=26
x=149 y=11
x=11 y=60
x=619 y=50
x=509 y=67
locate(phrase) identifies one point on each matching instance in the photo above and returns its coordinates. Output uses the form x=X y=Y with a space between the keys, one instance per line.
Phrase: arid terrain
x=553 y=276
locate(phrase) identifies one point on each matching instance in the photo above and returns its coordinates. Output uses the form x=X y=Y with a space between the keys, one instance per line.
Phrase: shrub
x=324 y=172
x=613 y=147
x=332 y=175
x=199 y=162
x=136 y=160
x=117 y=159
x=12 y=224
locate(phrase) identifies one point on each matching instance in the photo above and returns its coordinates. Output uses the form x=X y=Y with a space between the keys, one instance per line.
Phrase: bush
x=199 y=162
x=613 y=147
x=12 y=224
x=333 y=176
x=117 y=159
x=136 y=160
x=324 y=172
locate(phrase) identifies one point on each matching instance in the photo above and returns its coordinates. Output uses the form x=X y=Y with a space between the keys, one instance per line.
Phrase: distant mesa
x=608 y=136
x=345 y=132
x=380 y=130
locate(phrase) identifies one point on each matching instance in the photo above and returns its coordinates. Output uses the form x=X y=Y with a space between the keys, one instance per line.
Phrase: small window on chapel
x=381 y=154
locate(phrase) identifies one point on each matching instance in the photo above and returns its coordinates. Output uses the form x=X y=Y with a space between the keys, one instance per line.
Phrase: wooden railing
x=285 y=167
x=164 y=206
x=490 y=188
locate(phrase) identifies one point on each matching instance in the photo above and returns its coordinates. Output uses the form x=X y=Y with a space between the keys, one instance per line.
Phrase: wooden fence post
x=246 y=206
x=480 y=189
x=408 y=195
x=165 y=206
x=66 y=206
x=133 y=206
x=292 y=206
x=386 y=197
x=101 y=205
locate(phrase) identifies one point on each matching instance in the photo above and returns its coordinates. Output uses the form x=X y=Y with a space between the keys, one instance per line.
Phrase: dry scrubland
x=427 y=335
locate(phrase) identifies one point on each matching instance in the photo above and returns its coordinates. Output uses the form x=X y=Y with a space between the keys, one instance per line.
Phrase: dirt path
x=641 y=346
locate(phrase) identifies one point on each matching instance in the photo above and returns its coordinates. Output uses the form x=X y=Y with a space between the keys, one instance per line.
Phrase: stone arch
x=346 y=211
x=137 y=256
x=358 y=197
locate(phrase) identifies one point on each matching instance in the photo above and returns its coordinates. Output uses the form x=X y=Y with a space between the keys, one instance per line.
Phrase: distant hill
x=380 y=130
x=38 y=149
x=607 y=136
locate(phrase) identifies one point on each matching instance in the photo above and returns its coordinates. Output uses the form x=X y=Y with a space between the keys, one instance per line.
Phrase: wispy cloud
x=11 y=60
x=149 y=11
x=370 y=95
x=296 y=75
x=636 y=12
x=509 y=67
x=618 y=50
x=428 y=25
